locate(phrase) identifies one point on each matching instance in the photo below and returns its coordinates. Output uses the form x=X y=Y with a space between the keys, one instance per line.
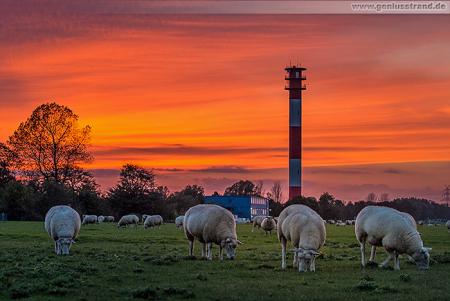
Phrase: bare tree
x=371 y=197
x=50 y=144
x=277 y=192
x=384 y=197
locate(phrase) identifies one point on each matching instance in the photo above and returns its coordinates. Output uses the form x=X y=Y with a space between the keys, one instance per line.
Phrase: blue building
x=241 y=206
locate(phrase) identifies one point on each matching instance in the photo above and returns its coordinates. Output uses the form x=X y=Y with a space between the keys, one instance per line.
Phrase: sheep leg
x=372 y=253
x=220 y=253
x=391 y=256
x=209 y=251
x=396 y=266
x=313 y=266
x=295 y=263
x=363 y=252
x=191 y=247
x=283 y=252
x=203 y=250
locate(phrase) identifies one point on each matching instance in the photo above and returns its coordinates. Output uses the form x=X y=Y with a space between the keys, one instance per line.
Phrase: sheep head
x=304 y=258
x=422 y=258
x=64 y=245
x=229 y=245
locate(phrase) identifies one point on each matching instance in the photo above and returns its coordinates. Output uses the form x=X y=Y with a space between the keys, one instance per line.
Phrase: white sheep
x=126 y=220
x=268 y=224
x=305 y=229
x=447 y=224
x=211 y=224
x=62 y=223
x=387 y=227
x=101 y=219
x=89 y=219
x=257 y=220
x=179 y=221
x=109 y=219
x=153 y=221
x=409 y=219
x=340 y=224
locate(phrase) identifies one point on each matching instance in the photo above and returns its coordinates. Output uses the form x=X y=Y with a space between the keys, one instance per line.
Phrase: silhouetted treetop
x=243 y=188
x=49 y=143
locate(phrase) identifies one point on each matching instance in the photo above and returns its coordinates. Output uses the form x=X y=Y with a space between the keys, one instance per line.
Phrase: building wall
x=259 y=206
x=241 y=206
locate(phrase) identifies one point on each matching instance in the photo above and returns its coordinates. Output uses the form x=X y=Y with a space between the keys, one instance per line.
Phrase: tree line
x=41 y=166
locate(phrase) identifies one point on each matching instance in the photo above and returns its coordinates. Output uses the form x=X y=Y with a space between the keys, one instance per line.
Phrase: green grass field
x=108 y=263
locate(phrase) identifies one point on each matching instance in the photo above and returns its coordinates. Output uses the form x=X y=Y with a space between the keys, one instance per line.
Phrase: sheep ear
x=228 y=239
x=294 y=250
x=314 y=252
x=73 y=241
x=426 y=249
x=241 y=243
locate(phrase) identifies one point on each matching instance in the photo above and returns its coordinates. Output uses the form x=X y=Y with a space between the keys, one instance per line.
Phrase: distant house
x=241 y=206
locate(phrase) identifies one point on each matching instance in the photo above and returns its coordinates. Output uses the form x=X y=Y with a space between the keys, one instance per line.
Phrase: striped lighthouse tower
x=294 y=78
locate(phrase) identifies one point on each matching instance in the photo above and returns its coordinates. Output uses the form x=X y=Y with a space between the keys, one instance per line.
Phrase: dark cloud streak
x=182 y=150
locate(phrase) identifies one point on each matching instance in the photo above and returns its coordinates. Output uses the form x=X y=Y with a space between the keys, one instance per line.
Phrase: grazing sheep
x=153 y=221
x=268 y=224
x=89 y=219
x=447 y=224
x=421 y=223
x=211 y=224
x=257 y=220
x=101 y=219
x=109 y=219
x=62 y=223
x=409 y=219
x=144 y=217
x=179 y=221
x=331 y=222
x=126 y=220
x=340 y=224
x=305 y=229
x=387 y=227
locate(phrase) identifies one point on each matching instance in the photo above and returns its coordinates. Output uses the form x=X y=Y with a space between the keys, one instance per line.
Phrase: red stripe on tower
x=295 y=86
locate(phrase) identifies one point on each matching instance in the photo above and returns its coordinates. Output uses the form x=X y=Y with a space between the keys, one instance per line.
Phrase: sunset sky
x=200 y=97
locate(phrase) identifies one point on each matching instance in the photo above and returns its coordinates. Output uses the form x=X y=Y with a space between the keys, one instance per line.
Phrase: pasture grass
x=108 y=263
